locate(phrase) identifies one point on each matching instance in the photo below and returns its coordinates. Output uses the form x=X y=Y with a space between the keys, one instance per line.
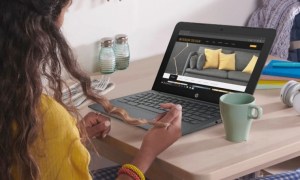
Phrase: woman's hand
x=96 y=124
x=158 y=139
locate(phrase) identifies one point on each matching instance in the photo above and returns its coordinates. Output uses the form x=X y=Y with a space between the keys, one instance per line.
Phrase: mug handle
x=258 y=110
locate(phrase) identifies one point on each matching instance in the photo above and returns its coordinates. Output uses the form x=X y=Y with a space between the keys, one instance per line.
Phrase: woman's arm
x=158 y=139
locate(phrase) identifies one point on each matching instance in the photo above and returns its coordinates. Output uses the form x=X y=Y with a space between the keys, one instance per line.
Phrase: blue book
x=287 y=69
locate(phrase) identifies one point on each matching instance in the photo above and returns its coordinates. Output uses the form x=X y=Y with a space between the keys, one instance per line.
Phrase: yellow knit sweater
x=58 y=150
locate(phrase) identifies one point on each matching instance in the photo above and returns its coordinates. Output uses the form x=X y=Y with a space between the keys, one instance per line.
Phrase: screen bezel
x=213 y=96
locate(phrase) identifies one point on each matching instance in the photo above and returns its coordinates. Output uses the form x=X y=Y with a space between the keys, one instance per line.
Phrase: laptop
x=202 y=62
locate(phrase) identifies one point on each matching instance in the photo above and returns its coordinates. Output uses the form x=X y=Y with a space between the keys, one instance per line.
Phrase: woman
x=39 y=136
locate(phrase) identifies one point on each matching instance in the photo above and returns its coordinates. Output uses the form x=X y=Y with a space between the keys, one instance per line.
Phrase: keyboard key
x=187 y=119
x=132 y=103
x=187 y=114
x=195 y=122
x=199 y=118
x=123 y=100
x=150 y=108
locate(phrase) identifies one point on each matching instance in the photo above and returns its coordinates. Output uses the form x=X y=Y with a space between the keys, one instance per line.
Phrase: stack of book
x=277 y=73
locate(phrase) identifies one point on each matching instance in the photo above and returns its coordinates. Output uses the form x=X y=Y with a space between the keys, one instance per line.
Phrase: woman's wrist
x=124 y=177
x=131 y=172
x=143 y=160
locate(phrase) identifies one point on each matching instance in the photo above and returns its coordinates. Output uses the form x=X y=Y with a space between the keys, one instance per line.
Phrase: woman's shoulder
x=48 y=102
x=54 y=115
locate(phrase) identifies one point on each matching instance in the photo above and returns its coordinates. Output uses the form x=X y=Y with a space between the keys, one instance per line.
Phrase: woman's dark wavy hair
x=32 y=46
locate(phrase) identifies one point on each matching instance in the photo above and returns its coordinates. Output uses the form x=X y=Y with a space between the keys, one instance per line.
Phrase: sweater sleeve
x=58 y=150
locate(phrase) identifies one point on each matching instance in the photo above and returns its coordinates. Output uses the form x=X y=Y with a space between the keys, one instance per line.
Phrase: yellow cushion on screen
x=212 y=58
x=249 y=68
x=227 y=62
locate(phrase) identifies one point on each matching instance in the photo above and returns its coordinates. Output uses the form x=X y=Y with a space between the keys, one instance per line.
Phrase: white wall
x=148 y=23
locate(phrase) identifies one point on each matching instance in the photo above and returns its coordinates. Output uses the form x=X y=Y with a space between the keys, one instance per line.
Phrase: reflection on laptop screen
x=212 y=62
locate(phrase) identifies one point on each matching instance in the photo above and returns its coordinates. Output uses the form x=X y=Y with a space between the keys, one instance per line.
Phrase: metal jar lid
x=121 y=38
x=106 y=42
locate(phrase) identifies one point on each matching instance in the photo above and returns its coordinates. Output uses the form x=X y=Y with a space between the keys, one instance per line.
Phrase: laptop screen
x=211 y=63
x=204 y=61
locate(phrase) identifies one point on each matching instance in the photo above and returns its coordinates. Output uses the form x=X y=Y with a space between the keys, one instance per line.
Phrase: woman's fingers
x=96 y=124
x=88 y=119
x=173 y=113
x=105 y=133
x=167 y=105
x=100 y=118
x=100 y=129
x=159 y=116
x=93 y=118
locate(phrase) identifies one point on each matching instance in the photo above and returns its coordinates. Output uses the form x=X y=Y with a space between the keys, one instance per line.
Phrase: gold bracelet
x=135 y=169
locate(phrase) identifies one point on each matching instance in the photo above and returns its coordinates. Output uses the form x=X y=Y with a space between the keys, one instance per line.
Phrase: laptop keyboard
x=192 y=112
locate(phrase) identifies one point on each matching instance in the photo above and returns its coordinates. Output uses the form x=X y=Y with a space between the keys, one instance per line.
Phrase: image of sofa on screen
x=225 y=65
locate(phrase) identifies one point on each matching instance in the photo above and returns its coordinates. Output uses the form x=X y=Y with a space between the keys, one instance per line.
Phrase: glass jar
x=121 y=49
x=107 y=56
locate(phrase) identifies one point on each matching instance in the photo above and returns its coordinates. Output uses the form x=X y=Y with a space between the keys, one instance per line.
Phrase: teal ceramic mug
x=237 y=111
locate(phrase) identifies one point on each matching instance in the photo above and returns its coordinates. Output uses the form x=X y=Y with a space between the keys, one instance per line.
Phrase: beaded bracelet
x=129 y=172
x=135 y=170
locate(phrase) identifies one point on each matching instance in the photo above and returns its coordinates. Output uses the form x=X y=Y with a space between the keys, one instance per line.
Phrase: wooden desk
x=205 y=154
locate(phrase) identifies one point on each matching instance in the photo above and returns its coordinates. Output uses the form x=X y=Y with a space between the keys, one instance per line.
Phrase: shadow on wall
x=87 y=57
x=258 y=4
x=78 y=4
x=226 y=14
